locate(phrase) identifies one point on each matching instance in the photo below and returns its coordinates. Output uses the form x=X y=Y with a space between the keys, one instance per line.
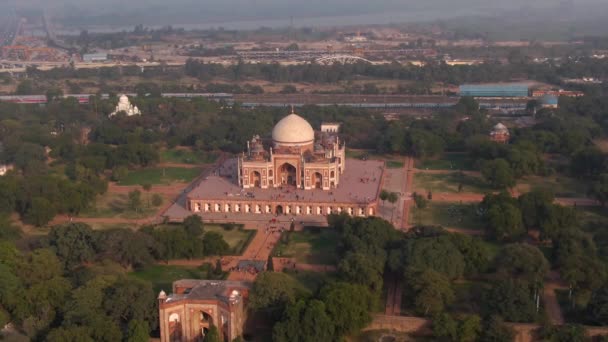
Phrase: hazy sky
x=277 y=12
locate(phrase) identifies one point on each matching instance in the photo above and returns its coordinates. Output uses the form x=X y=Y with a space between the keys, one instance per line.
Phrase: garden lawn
x=163 y=276
x=448 y=183
x=449 y=161
x=449 y=215
x=310 y=246
x=561 y=186
x=593 y=217
x=237 y=238
x=185 y=156
x=116 y=205
x=313 y=281
x=160 y=175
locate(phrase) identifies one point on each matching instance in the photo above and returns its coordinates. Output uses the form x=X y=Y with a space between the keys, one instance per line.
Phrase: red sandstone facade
x=196 y=305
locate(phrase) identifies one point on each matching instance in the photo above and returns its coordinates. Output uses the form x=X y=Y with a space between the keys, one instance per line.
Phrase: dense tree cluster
x=72 y=284
x=509 y=219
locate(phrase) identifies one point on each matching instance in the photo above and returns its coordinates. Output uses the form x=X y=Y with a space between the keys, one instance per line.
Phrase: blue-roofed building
x=549 y=101
x=495 y=90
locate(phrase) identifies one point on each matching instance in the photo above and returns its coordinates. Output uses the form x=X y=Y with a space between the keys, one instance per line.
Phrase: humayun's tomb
x=299 y=173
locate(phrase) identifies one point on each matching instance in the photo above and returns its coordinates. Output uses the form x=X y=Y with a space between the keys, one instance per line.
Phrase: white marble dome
x=293 y=130
x=123 y=99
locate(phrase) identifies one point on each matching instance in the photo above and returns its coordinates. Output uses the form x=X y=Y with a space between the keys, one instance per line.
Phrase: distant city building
x=5 y=168
x=196 y=305
x=560 y=92
x=500 y=134
x=124 y=105
x=94 y=57
x=495 y=90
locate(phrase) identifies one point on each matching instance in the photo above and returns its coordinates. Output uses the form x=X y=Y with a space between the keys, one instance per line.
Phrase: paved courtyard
x=360 y=184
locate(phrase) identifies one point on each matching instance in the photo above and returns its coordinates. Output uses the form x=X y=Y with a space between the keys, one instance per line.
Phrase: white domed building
x=295 y=159
x=124 y=105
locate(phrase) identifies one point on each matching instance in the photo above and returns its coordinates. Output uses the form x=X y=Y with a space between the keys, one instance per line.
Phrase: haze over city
x=251 y=14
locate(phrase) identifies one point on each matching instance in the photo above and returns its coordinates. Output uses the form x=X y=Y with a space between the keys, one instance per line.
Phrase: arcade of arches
x=296 y=209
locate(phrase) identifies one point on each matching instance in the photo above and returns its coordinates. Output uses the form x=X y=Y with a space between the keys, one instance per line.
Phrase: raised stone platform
x=218 y=195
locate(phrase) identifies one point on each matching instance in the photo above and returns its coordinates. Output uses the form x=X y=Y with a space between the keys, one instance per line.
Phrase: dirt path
x=391 y=286
x=409 y=182
x=552 y=307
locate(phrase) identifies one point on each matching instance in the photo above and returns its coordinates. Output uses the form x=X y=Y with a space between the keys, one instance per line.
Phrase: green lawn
x=184 y=156
x=452 y=215
x=310 y=246
x=166 y=175
x=163 y=276
x=593 y=217
x=449 y=161
x=561 y=186
x=313 y=281
x=449 y=182
x=116 y=205
x=237 y=238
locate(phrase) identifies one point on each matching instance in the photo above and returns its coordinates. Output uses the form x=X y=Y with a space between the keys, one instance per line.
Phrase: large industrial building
x=495 y=90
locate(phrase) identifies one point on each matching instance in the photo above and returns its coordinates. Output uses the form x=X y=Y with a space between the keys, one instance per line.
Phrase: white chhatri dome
x=500 y=128
x=293 y=130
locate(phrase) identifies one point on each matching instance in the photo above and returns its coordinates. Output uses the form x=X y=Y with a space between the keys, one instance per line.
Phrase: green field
x=163 y=276
x=237 y=238
x=310 y=246
x=160 y=176
x=313 y=281
x=184 y=156
x=116 y=205
x=452 y=215
x=449 y=161
x=561 y=186
x=449 y=182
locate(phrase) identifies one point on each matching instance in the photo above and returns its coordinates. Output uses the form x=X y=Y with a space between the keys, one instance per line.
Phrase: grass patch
x=185 y=156
x=560 y=185
x=449 y=161
x=237 y=237
x=166 y=175
x=313 y=281
x=450 y=182
x=363 y=154
x=592 y=218
x=163 y=276
x=452 y=215
x=309 y=246
x=116 y=205
x=394 y=164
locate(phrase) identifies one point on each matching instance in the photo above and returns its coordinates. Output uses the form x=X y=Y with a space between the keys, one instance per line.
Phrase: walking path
x=552 y=307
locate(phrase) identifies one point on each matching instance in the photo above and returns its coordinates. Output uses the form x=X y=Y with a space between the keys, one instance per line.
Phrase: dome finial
x=292 y=110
